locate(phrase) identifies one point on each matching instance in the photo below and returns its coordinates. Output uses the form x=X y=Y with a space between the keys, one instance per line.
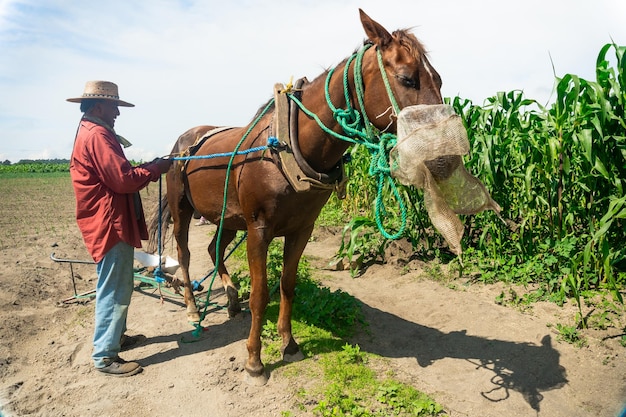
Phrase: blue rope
x=222 y=155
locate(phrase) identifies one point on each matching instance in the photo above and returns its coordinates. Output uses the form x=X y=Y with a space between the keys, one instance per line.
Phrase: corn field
x=558 y=173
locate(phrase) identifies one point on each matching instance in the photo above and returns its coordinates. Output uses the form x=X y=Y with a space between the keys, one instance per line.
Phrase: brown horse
x=391 y=73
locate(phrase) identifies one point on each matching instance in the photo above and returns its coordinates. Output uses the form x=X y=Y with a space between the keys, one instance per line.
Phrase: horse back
x=189 y=138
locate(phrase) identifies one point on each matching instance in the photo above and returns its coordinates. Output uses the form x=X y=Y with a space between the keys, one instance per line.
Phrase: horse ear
x=375 y=31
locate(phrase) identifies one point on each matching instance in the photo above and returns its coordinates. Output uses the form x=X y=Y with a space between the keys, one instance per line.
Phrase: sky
x=190 y=62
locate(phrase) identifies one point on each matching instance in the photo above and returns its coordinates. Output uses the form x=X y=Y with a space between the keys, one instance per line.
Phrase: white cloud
x=185 y=63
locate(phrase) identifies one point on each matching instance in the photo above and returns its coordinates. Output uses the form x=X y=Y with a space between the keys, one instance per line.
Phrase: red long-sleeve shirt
x=106 y=185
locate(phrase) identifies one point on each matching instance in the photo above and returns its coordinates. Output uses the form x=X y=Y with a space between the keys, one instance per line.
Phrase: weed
x=348 y=386
x=571 y=335
x=402 y=398
x=352 y=354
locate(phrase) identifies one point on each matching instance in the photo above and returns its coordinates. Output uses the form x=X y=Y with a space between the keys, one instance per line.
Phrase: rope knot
x=273 y=142
x=158 y=275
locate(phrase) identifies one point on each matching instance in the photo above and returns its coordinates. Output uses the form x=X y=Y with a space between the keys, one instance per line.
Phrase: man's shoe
x=202 y=222
x=119 y=367
x=126 y=342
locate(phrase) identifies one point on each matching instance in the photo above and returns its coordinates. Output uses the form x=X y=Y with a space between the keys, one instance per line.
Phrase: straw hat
x=103 y=90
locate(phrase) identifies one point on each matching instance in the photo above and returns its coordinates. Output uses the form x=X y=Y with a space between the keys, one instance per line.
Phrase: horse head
x=365 y=91
x=400 y=59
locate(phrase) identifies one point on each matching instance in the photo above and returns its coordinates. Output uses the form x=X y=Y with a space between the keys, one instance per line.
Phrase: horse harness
x=286 y=153
x=290 y=160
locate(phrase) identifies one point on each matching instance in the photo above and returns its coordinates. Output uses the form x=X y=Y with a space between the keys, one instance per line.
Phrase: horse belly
x=291 y=212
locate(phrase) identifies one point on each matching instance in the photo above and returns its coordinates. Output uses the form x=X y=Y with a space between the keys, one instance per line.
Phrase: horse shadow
x=523 y=367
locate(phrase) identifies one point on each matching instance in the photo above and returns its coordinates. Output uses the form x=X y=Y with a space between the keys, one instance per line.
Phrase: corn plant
x=558 y=174
x=557 y=171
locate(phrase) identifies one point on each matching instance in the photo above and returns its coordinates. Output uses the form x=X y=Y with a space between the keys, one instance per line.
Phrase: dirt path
x=447 y=339
x=479 y=358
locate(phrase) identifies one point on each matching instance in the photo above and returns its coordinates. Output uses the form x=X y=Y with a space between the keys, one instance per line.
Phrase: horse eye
x=407 y=81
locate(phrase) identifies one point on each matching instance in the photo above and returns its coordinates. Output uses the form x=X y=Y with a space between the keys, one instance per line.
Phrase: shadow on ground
x=523 y=367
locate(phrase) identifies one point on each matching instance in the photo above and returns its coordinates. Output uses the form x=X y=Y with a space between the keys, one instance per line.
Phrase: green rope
x=359 y=130
x=359 y=86
x=198 y=330
x=381 y=65
x=349 y=119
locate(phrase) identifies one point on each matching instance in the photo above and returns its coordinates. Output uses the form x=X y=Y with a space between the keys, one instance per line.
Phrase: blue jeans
x=113 y=293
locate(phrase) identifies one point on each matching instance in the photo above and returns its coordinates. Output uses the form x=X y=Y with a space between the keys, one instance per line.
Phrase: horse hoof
x=233 y=312
x=193 y=316
x=256 y=380
x=293 y=357
x=234 y=307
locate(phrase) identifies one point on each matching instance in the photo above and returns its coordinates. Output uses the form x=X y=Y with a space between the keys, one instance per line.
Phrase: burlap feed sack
x=428 y=155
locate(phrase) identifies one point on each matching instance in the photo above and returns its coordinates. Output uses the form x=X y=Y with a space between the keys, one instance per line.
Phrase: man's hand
x=163 y=164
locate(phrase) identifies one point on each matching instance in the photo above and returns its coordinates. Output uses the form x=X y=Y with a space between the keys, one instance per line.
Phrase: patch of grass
x=604 y=313
x=571 y=335
x=351 y=388
x=83 y=316
x=523 y=302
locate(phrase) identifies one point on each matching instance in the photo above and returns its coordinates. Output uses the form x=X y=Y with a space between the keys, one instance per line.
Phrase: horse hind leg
x=181 y=214
x=234 y=307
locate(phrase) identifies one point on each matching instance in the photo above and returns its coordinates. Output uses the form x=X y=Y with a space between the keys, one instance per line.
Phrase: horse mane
x=407 y=39
x=262 y=107
x=404 y=36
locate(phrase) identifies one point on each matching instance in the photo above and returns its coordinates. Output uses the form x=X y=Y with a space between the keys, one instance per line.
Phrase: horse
x=390 y=72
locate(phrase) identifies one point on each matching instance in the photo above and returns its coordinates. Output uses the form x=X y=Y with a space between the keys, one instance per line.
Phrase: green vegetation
x=346 y=382
x=570 y=334
x=558 y=172
x=38 y=167
x=558 y=175
x=351 y=388
x=35 y=167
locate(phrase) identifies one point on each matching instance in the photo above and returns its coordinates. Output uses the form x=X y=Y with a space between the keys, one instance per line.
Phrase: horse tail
x=161 y=214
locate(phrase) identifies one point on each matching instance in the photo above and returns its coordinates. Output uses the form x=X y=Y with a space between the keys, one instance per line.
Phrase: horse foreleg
x=231 y=292
x=259 y=298
x=294 y=246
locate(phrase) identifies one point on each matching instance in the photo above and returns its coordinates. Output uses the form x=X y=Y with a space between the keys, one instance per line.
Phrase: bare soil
x=445 y=337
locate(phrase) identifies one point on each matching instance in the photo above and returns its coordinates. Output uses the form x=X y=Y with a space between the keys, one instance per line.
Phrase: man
x=110 y=216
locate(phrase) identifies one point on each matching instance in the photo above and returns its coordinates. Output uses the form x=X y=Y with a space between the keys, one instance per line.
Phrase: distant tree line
x=39 y=166
x=37 y=161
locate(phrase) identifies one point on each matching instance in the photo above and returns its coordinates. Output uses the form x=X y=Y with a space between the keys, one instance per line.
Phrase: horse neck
x=320 y=149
